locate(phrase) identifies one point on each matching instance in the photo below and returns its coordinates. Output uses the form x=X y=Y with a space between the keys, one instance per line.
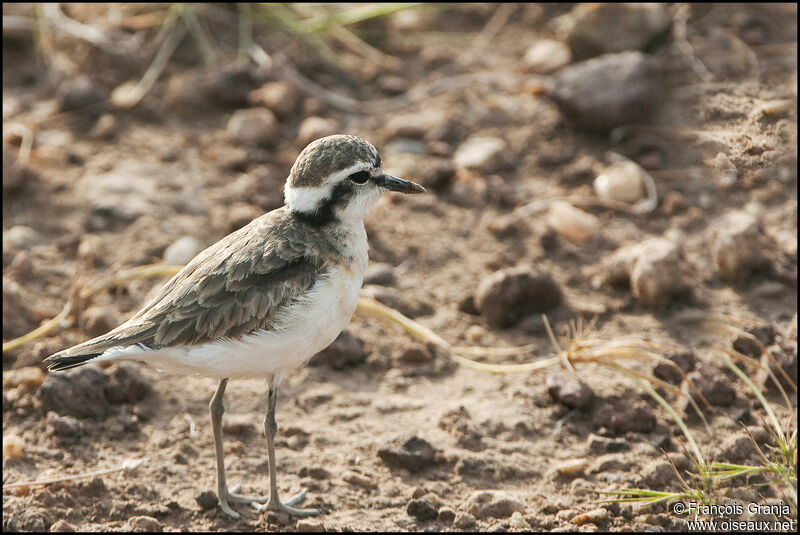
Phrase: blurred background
x=632 y=163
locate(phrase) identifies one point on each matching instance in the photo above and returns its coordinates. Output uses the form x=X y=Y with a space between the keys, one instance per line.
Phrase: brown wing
x=234 y=287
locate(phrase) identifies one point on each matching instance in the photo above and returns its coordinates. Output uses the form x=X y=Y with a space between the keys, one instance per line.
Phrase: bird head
x=339 y=177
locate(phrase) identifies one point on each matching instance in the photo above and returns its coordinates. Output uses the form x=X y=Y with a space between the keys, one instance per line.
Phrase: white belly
x=306 y=328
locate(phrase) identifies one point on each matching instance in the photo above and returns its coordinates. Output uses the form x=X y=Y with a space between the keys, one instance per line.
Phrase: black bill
x=392 y=183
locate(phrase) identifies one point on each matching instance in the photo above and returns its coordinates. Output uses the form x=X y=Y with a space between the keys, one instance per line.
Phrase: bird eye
x=359 y=178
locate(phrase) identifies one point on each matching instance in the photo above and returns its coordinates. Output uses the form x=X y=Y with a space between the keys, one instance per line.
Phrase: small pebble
x=64 y=426
x=464 y=520
x=314 y=128
x=635 y=27
x=481 y=153
x=281 y=97
x=716 y=389
x=737 y=448
x=734 y=245
x=659 y=475
x=310 y=525
x=80 y=93
x=280 y=518
x=653 y=269
x=595 y=516
x=359 y=480
x=446 y=515
x=230 y=84
x=30 y=377
x=608 y=91
x=493 y=503
x=79 y=392
x=621 y=181
x=105 y=127
x=624 y=416
x=145 y=524
x=517 y=521
x=566 y=514
x=572 y=392
x=22 y=267
x=13 y=446
x=412 y=453
x=410 y=354
x=127 y=384
x=572 y=467
x=182 y=250
x=421 y=510
x=572 y=223
x=21 y=237
x=506 y=296
x=253 y=126
x=207 y=500
x=545 y=56
x=62 y=526
x=673 y=373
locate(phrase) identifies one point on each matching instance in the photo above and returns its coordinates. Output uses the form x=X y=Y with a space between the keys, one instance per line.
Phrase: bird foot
x=232 y=496
x=277 y=506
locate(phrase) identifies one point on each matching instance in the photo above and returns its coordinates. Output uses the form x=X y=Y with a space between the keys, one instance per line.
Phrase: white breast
x=303 y=329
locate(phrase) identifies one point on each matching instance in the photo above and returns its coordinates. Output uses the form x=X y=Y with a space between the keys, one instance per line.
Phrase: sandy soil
x=108 y=189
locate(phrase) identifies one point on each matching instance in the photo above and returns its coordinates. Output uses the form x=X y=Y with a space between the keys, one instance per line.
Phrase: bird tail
x=125 y=335
x=59 y=361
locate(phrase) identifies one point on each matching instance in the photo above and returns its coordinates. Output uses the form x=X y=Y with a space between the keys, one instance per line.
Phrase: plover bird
x=266 y=298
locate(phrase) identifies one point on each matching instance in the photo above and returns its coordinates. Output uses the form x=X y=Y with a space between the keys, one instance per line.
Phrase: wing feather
x=235 y=287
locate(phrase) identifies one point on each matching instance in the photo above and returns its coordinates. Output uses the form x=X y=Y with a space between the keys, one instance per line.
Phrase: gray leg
x=271 y=429
x=216 y=409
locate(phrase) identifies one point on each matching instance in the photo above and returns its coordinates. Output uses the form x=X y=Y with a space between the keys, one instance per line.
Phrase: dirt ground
x=386 y=432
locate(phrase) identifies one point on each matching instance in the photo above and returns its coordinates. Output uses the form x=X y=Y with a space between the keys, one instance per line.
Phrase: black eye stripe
x=359 y=178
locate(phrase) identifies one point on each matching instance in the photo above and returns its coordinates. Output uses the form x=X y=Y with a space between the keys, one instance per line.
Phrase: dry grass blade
x=130 y=93
x=26 y=139
x=774 y=423
x=367 y=306
x=118 y=43
x=130 y=464
x=356 y=14
x=698 y=456
x=43 y=329
x=85 y=292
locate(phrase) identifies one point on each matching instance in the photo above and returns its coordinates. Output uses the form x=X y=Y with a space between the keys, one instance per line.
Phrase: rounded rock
x=636 y=26
x=421 y=510
x=314 y=128
x=182 y=250
x=608 y=91
x=621 y=181
x=572 y=223
x=281 y=97
x=207 y=500
x=255 y=126
x=546 y=56
x=464 y=520
x=481 y=153
x=493 y=503
x=146 y=524
x=506 y=296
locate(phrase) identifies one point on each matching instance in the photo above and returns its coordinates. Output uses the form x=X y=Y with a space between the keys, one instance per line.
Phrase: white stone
x=572 y=223
x=182 y=250
x=621 y=181
x=480 y=153
x=546 y=55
